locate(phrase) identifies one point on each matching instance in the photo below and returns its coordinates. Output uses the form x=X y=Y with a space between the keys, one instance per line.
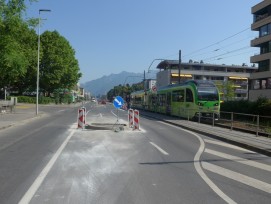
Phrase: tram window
x=162 y=99
x=189 y=95
x=178 y=96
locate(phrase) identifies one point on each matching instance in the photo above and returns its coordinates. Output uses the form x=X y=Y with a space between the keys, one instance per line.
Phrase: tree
x=16 y=45
x=58 y=67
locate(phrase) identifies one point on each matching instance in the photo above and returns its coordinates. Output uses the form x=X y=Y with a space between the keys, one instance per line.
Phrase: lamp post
x=38 y=68
x=153 y=62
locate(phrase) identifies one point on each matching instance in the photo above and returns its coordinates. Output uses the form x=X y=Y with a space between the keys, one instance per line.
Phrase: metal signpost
x=118 y=103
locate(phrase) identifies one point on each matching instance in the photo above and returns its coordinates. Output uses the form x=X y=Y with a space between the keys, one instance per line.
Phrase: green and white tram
x=190 y=99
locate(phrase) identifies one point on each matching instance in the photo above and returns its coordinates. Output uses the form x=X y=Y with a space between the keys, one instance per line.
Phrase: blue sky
x=110 y=36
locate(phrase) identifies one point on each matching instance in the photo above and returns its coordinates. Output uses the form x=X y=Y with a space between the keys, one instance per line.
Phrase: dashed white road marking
x=60 y=111
x=159 y=148
x=38 y=181
x=240 y=160
x=237 y=177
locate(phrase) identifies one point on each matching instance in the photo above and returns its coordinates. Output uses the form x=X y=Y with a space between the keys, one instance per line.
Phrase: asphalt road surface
x=51 y=161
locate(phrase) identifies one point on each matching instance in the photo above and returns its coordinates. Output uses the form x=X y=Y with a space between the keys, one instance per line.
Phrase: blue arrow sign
x=118 y=102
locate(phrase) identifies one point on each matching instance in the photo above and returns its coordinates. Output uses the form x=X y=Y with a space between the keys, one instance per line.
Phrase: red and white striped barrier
x=81 y=118
x=131 y=117
x=136 y=119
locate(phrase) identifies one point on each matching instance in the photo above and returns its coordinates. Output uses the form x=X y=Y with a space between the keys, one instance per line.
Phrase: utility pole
x=179 y=67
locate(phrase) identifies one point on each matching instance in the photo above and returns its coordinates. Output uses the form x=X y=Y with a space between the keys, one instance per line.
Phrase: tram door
x=168 y=103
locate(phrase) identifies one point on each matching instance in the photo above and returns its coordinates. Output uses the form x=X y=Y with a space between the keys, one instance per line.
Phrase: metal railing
x=255 y=124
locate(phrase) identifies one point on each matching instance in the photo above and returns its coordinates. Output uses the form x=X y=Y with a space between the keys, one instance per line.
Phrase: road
x=51 y=161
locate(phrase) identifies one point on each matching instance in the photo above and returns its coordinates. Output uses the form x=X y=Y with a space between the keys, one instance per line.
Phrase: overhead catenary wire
x=193 y=54
x=216 y=42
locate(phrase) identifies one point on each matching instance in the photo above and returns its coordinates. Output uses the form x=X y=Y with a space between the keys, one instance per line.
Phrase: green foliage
x=58 y=67
x=31 y=99
x=260 y=107
x=18 y=53
x=62 y=96
x=124 y=90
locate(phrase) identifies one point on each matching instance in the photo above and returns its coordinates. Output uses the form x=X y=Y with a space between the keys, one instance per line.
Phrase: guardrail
x=260 y=125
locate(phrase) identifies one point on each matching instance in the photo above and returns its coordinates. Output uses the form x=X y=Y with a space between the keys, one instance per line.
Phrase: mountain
x=102 y=85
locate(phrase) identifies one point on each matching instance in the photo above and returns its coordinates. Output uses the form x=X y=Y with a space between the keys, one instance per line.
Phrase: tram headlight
x=216 y=104
x=200 y=104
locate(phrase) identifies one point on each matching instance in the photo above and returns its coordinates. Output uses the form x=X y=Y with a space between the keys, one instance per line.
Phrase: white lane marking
x=38 y=181
x=227 y=145
x=60 y=111
x=240 y=160
x=199 y=169
x=237 y=177
x=159 y=148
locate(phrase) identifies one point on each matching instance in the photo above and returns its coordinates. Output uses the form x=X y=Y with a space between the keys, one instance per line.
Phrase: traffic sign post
x=118 y=103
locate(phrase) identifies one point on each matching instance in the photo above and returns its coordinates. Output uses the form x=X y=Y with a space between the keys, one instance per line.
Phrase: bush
x=31 y=99
x=260 y=107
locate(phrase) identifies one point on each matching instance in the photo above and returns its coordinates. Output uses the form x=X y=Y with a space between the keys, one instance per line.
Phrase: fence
x=256 y=124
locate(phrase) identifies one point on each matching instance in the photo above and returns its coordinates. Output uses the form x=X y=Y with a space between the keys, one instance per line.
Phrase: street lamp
x=152 y=63
x=38 y=68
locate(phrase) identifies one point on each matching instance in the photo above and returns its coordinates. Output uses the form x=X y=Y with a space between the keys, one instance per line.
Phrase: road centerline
x=159 y=148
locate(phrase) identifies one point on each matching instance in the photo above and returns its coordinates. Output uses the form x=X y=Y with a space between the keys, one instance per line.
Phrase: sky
x=111 y=36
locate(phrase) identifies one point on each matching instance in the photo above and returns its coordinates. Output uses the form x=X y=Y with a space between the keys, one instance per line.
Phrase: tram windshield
x=207 y=94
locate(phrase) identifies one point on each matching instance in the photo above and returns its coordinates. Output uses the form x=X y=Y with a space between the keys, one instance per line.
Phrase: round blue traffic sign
x=118 y=102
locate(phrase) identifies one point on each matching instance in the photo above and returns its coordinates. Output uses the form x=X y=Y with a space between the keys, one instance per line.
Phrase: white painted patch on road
x=237 y=177
x=34 y=187
x=159 y=148
x=223 y=144
x=240 y=160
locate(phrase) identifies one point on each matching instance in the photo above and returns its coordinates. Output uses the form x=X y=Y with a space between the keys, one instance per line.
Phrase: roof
x=166 y=64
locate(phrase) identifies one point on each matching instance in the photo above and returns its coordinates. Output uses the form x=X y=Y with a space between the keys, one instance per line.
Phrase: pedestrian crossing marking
x=240 y=160
x=237 y=177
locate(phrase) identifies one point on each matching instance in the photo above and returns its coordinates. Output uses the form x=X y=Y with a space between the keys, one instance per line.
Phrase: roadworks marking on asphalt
x=38 y=181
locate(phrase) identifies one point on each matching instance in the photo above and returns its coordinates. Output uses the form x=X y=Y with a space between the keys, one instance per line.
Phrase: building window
x=266 y=47
x=261 y=84
x=268 y=83
x=256 y=84
x=263 y=66
x=265 y=30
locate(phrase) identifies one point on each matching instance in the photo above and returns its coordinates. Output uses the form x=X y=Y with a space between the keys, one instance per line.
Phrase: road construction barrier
x=131 y=118
x=81 y=118
x=136 y=119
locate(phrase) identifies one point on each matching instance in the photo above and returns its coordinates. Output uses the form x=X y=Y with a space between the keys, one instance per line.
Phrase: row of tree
x=18 y=53
x=124 y=90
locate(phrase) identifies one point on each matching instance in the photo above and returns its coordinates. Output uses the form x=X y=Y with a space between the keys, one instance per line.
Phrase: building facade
x=223 y=75
x=260 y=81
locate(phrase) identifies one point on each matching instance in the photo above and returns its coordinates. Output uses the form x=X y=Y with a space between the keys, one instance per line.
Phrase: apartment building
x=235 y=76
x=260 y=81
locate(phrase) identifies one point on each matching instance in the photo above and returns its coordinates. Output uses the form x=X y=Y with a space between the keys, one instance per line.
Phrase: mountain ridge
x=105 y=83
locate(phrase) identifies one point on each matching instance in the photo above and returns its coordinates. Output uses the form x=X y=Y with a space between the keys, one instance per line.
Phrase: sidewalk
x=21 y=113
x=249 y=141
x=24 y=112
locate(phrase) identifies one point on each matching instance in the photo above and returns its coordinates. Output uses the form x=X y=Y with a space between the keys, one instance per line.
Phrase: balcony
x=255 y=26
x=260 y=57
x=257 y=41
